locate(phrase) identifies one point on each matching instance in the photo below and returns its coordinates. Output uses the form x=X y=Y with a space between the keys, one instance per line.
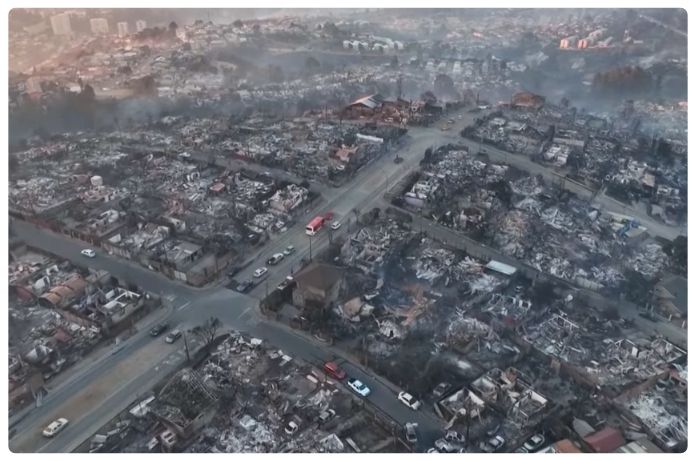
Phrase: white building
x=140 y=24
x=122 y=29
x=99 y=26
x=60 y=24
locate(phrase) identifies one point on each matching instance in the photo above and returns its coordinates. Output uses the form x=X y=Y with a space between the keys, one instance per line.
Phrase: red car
x=329 y=216
x=333 y=370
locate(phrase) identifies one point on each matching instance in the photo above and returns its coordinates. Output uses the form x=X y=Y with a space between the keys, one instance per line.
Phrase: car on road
x=443 y=446
x=409 y=400
x=455 y=437
x=260 y=272
x=332 y=369
x=494 y=444
x=534 y=443
x=411 y=433
x=289 y=281
x=326 y=416
x=291 y=427
x=90 y=253
x=275 y=259
x=173 y=336
x=336 y=225
x=290 y=249
x=158 y=329
x=329 y=216
x=432 y=450
x=55 y=427
x=359 y=387
x=440 y=390
x=245 y=285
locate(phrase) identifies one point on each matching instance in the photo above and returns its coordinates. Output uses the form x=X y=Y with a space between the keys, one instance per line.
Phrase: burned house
x=511 y=393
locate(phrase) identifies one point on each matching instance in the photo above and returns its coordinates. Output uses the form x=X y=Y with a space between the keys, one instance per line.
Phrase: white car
x=260 y=272
x=408 y=400
x=55 y=427
x=291 y=427
x=275 y=259
x=336 y=225
x=359 y=387
x=88 y=252
x=534 y=443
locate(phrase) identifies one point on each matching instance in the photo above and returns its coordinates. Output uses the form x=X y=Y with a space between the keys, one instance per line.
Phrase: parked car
x=291 y=427
x=286 y=283
x=245 y=285
x=173 y=336
x=90 y=253
x=336 y=225
x=275 y=259
x=455 y=437
x=260 y=272
x=494 y=444
x=409 y=400
x=443 y=446
x=359 y=387
x=290 y=249
x=411 y=433
x=326 y=416
x=432 y=450
x=440 y=390
x=55 y=427
x=158 y=329
x=534 y=443
x=332 y=369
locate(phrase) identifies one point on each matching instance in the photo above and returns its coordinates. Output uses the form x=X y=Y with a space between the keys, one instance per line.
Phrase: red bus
x=314 y=225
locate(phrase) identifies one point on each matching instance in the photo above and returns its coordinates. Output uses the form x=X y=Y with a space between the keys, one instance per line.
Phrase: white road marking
x=246 y=311
x=183 y=306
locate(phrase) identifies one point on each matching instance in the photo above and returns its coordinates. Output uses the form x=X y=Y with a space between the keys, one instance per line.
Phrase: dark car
x=332 y=369
x=158 y=329
x=411 y=432
x=244 y=286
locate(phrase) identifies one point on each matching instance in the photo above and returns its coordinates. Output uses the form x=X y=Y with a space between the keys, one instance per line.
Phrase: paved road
x=666 y=26
x=238 y=311
x=627 y=310
x=106 y=397
x=605 y=202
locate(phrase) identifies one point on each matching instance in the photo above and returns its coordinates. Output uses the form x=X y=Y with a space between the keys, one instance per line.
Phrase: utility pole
x=188 y=357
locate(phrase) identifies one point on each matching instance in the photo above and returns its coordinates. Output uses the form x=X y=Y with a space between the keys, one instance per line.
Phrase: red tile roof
x=605 y=441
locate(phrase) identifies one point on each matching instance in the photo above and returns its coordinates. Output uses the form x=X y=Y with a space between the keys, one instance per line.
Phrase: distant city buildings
x=60 y=24
x=140 y=25
x=99 y=25
x=122 y=29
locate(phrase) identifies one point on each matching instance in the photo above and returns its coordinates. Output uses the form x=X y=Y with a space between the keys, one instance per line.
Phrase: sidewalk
x=97 y=355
